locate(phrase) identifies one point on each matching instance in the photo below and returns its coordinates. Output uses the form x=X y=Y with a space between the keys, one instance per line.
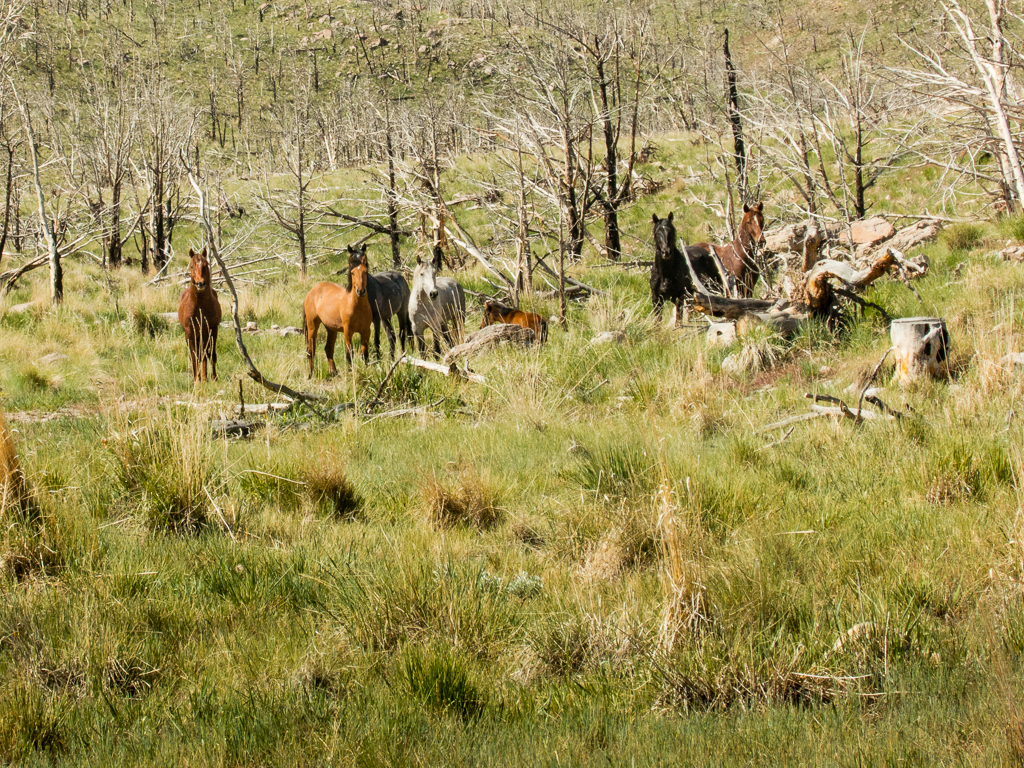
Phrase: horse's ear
x=654 y=218
x=349 y=247
x=191 y=253
x=746 y=208
x=760 y=206
x=670 y=215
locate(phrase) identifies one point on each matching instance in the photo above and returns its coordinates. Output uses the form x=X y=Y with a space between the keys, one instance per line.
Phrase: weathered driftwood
x=446 y=370
x=784 y=323
x=867 y=232
x=488 y=338
x=731 y=309
x=804 y=238
x=921 y=345
x=721 y=333
x=838 y=409
x=919 y=232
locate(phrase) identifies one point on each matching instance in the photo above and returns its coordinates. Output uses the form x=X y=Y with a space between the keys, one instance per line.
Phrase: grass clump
x=168 y=472
x=146 y=323
x=962 y=237
x=1012 y=227
x=443 y=681
x=468 y=500
x=953 y=475
x=616 y=470
x=330 y=491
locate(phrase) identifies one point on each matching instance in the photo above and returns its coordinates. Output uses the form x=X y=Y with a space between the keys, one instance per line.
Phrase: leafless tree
x=972 y=76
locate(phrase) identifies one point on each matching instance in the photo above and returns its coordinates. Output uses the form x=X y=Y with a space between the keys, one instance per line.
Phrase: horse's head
x=358 y=269
x=424 y=278
x=664 y=236
x=491 y=314
x=199 y=269
x=752 y=225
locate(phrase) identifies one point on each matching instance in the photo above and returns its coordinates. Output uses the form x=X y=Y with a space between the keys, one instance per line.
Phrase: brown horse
x=739 y=256
x=495 y=313
x=199 y=314
x=340 y=309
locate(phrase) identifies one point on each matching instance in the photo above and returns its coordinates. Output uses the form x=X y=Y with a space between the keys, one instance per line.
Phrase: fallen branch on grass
x=446 y=370
x=838 y=408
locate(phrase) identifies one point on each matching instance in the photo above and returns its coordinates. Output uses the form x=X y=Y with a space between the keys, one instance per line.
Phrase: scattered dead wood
x=837 y=408
x=488 y=338
x=446 y=370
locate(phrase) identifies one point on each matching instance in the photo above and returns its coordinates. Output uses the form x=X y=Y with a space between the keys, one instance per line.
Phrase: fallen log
x=446 y=370
x=784 y=323
x=488 y=338
x=731 y=309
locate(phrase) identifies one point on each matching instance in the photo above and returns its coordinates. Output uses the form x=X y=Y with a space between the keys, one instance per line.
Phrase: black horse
x=389 y=297
x=670 y=276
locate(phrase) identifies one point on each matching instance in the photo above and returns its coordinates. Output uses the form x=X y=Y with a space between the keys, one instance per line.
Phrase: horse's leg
x=436 y=333
x=190 y=341
x=675 y=313
x=376 y=335
x=391 y=337
x=311 y=332
x=332 y=337
x=213 y=350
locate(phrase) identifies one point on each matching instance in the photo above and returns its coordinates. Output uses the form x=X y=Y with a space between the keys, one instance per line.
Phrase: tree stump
x=921 y=345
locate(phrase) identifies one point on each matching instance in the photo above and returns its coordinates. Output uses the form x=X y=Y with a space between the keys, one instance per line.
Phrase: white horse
x=437 y=303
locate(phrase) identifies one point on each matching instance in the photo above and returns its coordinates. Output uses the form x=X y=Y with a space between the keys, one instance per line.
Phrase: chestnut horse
x=739 y=257
x=495 y=313
x=340 y=309
x=199 y=314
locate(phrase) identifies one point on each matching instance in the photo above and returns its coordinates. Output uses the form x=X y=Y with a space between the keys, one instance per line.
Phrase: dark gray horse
x=389 y=297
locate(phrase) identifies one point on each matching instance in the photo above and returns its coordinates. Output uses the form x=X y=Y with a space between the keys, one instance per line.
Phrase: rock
x=721 y=334
x=1014 y=358
x=868 y=232
x=53 y=357
x=1010 y=253
x=18 y=309
x=170 y=317
x=250 y=327
x=609 y=337
x=289 y=330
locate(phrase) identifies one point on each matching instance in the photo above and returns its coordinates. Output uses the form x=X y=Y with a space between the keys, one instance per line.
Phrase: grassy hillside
x=595 y=556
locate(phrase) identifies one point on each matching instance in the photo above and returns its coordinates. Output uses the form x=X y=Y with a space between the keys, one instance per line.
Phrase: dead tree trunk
x=740 y=152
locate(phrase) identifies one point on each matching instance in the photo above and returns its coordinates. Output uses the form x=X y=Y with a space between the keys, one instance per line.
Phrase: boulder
x=867 y=232
x=53 y=357
x=18 y=309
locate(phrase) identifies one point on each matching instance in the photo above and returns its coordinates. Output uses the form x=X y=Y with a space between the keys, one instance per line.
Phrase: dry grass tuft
x=630 y=543
x=681 y=537
x=330 y=490
x=470 y=500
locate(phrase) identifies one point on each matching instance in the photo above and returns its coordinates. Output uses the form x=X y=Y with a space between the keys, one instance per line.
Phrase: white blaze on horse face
x=425 y=278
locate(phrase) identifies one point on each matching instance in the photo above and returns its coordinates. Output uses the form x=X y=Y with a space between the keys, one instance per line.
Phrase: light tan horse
x=345 y=309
